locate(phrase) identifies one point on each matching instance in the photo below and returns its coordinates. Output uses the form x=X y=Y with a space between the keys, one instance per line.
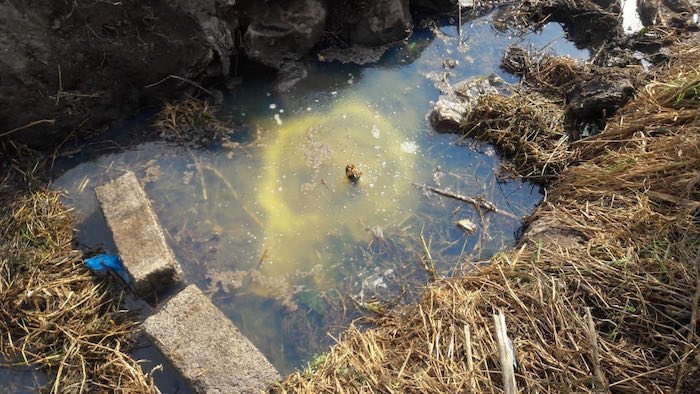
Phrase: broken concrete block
x=206 y=348
x=137 y=234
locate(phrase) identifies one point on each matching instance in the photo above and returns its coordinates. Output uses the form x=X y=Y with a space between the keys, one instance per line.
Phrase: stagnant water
x=264 y=219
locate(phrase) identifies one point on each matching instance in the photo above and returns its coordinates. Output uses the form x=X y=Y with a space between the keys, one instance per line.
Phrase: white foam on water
x=375 y=132
x=409 y=147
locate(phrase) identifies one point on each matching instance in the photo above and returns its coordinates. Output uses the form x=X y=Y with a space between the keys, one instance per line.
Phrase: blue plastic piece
x=105 y=263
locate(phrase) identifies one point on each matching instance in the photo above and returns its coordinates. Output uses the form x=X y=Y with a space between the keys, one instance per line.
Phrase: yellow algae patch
x=312 y=211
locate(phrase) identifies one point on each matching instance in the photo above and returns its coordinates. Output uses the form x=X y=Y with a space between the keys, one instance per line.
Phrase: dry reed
x=527 y=127
x=545 y=73
x=182 y=119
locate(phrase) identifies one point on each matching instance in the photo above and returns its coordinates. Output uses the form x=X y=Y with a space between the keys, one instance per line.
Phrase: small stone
x=450 y=63
x=467 y=226
x=352 y=173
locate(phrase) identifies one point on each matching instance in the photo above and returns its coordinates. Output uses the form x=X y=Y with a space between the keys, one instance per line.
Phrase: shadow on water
x=267 y=224
x=21 y=380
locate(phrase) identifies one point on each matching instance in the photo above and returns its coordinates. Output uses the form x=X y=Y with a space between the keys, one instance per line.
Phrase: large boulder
x=280 y=33
x=382 y=22
x=439 y=5
x=74 y=66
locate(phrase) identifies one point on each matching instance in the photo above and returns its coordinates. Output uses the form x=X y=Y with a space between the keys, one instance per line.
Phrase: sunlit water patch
x=266 y=221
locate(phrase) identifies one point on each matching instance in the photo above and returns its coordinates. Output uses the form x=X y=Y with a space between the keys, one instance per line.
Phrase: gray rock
x=355 y=54
x=283 y=32
x=599 y=96
x=137 y=234
x=452 y=107
x=648 y=11
x=206 y=348
x=382 y=22
x=220 y=39
x=440 y=5
x=448 y=113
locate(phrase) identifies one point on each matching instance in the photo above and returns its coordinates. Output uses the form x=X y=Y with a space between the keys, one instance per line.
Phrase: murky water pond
x=266 y=221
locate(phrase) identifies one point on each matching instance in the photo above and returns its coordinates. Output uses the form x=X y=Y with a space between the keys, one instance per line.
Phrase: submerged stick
x=506 y=354
x=600 y=382
x=426 y=249
x=253 y=216
x=477 y=202
x=459 y=21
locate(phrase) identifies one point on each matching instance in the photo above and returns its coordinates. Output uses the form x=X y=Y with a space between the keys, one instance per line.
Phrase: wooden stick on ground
x=477 y=202
x=506 y=354
x=600 y=382
x=691 y=327
x=470 y=361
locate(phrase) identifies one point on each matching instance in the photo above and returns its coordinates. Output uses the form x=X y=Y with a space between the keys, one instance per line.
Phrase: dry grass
x=545 y=73
x=527 y=127
x=55 y=314
x=618 y=235
x=182 y=119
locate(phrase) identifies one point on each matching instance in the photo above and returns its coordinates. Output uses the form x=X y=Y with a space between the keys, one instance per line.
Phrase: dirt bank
x=617 y=236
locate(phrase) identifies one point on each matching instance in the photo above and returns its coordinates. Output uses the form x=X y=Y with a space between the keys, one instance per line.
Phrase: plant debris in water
x=189 y=120
x=527 y=127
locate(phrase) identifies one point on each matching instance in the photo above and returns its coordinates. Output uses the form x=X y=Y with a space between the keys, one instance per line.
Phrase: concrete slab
x=137 y=234
x=207 y=349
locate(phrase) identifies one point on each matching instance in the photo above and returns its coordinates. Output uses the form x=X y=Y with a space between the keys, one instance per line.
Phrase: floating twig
x=426 y=249
x=478 y=202
x=183 y=79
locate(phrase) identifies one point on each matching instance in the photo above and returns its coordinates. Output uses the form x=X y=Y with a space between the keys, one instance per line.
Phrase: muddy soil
x=70 y=66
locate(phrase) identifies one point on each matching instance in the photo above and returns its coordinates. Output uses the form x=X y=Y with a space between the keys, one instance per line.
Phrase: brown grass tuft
x=545 y=73
x=527 y=127
x=53 y=312
x=183 y=118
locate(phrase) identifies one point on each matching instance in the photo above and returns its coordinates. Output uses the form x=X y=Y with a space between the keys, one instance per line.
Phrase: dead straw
x=54 y=314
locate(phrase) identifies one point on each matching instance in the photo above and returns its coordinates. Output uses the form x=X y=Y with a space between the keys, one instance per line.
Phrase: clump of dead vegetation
x=600 y=295
x=545 y=72
x=54 y=313
x=525 y=126
x=187 y=119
